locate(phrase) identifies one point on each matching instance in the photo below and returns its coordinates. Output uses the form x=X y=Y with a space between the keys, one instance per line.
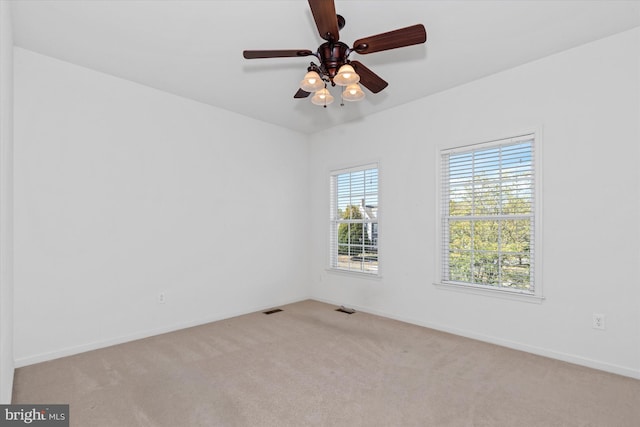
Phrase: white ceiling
x=194 y=48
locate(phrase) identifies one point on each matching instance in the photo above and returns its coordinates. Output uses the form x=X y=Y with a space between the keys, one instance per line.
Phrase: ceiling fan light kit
x=346 y=76
x=353 y=92
x=312 y=82
x=335 y=68
x=322 y=97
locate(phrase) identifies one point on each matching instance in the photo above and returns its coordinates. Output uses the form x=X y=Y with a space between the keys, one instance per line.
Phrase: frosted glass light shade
x=322 y=97
x=311 y=82
x=353 y=92
x=346 y=76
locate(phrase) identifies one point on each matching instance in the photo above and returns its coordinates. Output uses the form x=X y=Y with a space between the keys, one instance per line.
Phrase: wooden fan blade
x=324 y=13
x=368 y=78
x=402 y=37
x=254 y=54
x=301 y=94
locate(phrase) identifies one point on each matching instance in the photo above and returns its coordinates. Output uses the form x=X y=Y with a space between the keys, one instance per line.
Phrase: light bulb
x=322 y=97
x=353 y=92
x=311 y=82
x=346 y=76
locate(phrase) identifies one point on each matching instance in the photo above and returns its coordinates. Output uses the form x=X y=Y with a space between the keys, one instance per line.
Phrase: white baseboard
x=552 y=354
x=95 y=345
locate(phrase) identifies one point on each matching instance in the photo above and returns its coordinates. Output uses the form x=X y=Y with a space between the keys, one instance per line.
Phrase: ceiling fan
x=333 y=55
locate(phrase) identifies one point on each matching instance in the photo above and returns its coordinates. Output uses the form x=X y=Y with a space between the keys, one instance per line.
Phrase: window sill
x=357 y=274
x=495 y=293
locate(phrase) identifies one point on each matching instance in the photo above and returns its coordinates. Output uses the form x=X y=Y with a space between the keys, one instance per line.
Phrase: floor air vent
x=275 y=310
x=343 y=309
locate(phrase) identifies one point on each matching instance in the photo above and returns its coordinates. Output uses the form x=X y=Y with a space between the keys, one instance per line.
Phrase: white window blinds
x=353 y=219
x=488 y=221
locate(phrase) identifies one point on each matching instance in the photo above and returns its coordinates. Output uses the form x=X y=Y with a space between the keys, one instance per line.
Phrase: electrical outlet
x=598 y=321
x=161 y=298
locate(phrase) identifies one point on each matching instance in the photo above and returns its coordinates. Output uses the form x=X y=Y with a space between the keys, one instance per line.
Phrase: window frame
x=334 y=221
x=488 y=290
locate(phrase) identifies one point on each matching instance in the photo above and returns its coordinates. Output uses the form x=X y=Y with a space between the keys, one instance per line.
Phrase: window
x=488 y=215
x=354 y=219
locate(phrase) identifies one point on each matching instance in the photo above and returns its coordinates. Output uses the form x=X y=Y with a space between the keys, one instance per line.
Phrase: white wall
x=6 y=203
x=123 y=192
x=587 y=102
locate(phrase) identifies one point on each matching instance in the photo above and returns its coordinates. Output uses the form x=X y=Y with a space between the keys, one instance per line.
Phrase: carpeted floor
x=310 y=365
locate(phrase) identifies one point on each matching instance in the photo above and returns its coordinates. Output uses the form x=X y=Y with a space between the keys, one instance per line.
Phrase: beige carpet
x=312 y=366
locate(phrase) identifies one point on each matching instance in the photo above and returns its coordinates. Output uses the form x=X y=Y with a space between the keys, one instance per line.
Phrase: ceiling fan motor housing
x=332 y=55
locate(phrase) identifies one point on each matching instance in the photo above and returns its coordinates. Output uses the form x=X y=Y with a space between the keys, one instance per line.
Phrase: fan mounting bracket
x=360 y=47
